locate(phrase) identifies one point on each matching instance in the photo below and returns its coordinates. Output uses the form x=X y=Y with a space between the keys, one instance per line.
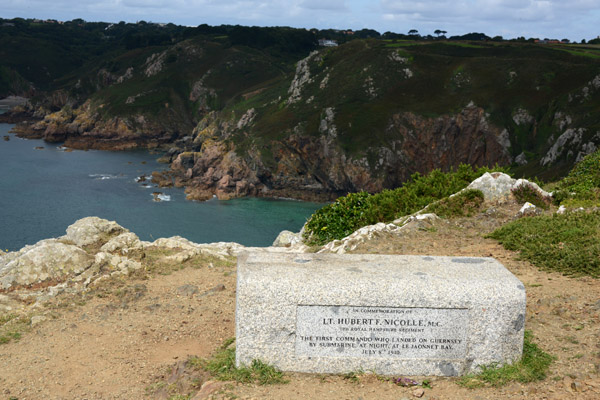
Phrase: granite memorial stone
x=391 y=314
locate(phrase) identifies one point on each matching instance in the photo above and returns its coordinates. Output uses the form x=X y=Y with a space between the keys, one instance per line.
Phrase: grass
x=532 y=367
x=567 y=243
x=582 y=53
x=12 y=327
x=222 y=366
x=581 y=187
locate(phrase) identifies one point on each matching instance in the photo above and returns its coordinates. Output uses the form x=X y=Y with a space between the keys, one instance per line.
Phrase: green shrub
x=582 y=186
x=338 y=219
x=567 y=243
x=356 y=210
x=528 y=193
x=532 y=367
x=465 y=203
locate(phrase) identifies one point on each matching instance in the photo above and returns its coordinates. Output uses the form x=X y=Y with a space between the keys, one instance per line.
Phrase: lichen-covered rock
x=115 y=264
x=496 y=187
x=124 y=243
x=92 y=230
x=48 y=261
x=287 y=239
x=363 y=234
x=175 y=242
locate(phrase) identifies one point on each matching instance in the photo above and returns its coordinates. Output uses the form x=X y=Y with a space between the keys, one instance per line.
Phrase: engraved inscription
x=385 y=332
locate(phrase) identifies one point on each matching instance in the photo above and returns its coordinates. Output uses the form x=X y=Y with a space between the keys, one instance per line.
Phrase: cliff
x=236 y=120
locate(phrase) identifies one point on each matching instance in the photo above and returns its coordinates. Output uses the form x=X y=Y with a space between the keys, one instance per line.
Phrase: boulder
x=496 y=187
x=46 y=261
x=92 y=230
x=287 y=239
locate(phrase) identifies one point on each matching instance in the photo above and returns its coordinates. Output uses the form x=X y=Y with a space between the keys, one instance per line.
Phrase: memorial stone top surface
x=410 y=315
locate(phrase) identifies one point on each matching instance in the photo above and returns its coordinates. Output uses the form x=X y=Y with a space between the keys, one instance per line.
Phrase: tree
x=413 y=32
x=439 y=32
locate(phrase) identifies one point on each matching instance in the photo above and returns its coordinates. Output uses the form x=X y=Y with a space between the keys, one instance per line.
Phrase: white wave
x=158 y=196
x=102 y=177
x=164 y=197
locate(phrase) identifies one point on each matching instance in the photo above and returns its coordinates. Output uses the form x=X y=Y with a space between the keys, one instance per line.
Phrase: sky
x=555 y=19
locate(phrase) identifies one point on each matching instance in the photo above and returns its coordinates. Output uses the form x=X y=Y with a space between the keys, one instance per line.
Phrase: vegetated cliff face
x=317 y=167
x=362 y=116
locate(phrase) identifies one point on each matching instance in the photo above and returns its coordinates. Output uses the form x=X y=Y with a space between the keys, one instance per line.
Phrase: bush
x=582 y=186
x=528 y=193
x=338 y=219
x=349 y=213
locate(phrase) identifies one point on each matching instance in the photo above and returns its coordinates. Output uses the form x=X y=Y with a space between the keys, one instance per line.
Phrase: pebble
x=418 y=392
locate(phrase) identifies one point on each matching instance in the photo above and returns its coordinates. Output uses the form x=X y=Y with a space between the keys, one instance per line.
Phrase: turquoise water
x=42 y=191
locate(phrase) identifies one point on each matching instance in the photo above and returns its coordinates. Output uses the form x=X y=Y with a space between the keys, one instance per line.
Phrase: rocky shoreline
x=207 y=163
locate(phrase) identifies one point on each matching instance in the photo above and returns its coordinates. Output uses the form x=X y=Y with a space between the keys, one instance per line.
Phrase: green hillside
x=364 y=115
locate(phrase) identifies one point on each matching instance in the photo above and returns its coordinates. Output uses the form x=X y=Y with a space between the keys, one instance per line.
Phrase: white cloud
x=337 y=5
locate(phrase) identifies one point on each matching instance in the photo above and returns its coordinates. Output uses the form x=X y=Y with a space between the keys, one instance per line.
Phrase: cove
x=44 y=189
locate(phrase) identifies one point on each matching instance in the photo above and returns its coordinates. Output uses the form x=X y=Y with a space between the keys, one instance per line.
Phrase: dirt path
x=130 y=343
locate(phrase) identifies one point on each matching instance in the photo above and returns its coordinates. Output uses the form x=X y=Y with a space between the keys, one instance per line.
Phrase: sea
x=44 y=189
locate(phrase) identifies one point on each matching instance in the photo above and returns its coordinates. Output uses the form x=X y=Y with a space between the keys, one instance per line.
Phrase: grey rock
x=91 y=230
x=496 y=187
x=287 y=239
x=521 y=159
x=46 y=261
x=123 y=243
x=188 y=290
x=218 y=288
x=528 y=210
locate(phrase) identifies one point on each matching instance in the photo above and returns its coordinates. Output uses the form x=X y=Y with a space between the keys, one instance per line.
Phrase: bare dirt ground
x=132 y=343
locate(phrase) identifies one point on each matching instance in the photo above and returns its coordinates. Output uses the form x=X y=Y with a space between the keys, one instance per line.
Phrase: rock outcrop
x=498 y=187
x=92 y=251
x=313 y=167
x=85 y=128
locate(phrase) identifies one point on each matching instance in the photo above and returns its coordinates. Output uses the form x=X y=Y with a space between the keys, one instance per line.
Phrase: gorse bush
x=351 y=212
x=582 y=186
x=340 y=218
